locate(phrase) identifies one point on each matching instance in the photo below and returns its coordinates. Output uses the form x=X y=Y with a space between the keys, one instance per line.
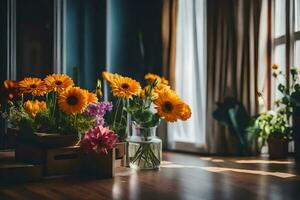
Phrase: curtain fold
x=237 y=54
x=169 y=26
x=168 y=35
x=190 y=74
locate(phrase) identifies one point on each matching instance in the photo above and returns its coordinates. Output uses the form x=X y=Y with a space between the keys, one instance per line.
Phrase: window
x=190 y=73
x=286 y=38
x=297 y=33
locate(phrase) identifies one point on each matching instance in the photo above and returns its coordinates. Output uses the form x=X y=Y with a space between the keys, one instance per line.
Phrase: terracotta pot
x=278 y=148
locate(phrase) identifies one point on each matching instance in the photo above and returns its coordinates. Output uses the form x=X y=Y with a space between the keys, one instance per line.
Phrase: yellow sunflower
x=109 y=76
x=125 y=87
x=33 y=107
x=34 y=86
x=186 y=112
x=169 y=106
x=151 y=77
x=58 y=82
x=91 y=97
x=73 y=100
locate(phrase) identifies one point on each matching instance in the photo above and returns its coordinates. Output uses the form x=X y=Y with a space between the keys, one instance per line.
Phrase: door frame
x=58 y=44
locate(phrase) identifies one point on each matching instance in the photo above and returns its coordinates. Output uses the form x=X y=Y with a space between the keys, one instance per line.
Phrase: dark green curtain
x=3 y=57
x=134 y=37
x=85 y=40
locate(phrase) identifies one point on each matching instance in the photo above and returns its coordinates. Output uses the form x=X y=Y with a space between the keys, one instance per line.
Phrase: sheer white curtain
x=190 y=73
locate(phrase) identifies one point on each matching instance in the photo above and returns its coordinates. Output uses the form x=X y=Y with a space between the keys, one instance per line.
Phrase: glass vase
x=144 y=147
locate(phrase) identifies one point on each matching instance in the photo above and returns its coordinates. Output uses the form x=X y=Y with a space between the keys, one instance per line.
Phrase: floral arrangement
x=144 y=108
x=138 y=101
x=55 y=105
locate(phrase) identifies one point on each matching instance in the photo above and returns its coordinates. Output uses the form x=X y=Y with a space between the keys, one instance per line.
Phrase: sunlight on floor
x=205 y=158
x=263 y=162
x=247 y=171
x=223 y=169
x=211 y=159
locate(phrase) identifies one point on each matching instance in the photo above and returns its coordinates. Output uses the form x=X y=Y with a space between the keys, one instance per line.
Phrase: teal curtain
x=3 y=57
x=134 y=37
x=85 y=40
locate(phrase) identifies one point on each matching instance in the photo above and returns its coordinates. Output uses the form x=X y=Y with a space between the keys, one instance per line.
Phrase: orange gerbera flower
x=109 y=76
x=10 y=89
x=169 y=106
x=125 y=87
x=58 y=82
x=34 y=86
x=151 y=77
x=186 y=112
x=73 y=100
x=91 y=97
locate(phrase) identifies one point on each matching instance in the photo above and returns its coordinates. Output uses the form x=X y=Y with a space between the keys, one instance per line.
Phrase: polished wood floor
x=182 y=176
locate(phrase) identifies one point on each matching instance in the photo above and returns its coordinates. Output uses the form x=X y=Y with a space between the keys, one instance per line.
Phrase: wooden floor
x=180 y=177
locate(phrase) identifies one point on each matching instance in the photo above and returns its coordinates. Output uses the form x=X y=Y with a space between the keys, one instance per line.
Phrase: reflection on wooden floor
x=181 y=176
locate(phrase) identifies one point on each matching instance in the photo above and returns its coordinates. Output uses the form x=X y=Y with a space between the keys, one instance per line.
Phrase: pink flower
x=99 y=140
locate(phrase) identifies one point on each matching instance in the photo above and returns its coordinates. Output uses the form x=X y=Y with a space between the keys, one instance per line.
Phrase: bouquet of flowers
x=144 y=108
x=54 y=105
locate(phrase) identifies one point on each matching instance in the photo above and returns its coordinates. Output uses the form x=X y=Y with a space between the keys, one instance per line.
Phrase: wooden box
x=99 y=166
x=55 y=161
x=46 y=150
x=121 y=149
x=46 y=140
x=63 y=161
x=12 y=171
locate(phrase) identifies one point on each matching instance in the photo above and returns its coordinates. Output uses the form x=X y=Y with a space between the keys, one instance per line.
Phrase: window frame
x=288 y=39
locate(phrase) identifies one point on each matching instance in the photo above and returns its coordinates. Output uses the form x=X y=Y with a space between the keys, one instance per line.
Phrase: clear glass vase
x=144 y=148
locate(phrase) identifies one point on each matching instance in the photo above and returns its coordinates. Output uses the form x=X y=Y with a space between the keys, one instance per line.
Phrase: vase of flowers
x=139 y=111
x=144 y=147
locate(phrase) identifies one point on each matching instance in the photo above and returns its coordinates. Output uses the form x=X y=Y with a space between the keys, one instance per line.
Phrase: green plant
x=290 y=99
x=272 y=125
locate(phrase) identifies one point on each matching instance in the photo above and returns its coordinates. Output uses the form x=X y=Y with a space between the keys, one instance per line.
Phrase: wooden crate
x=55 y=161
x=46 y=140
x=63 y=161
x=121 y=149
x=99 y=166
x=12 y=171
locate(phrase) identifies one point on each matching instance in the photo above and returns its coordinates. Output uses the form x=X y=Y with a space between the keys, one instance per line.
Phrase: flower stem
x=54 y=104
x=116 y=113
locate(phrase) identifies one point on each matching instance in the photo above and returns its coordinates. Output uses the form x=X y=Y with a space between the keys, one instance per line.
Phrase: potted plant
x=272 y=127
x=290 y=100
x=141 y=111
